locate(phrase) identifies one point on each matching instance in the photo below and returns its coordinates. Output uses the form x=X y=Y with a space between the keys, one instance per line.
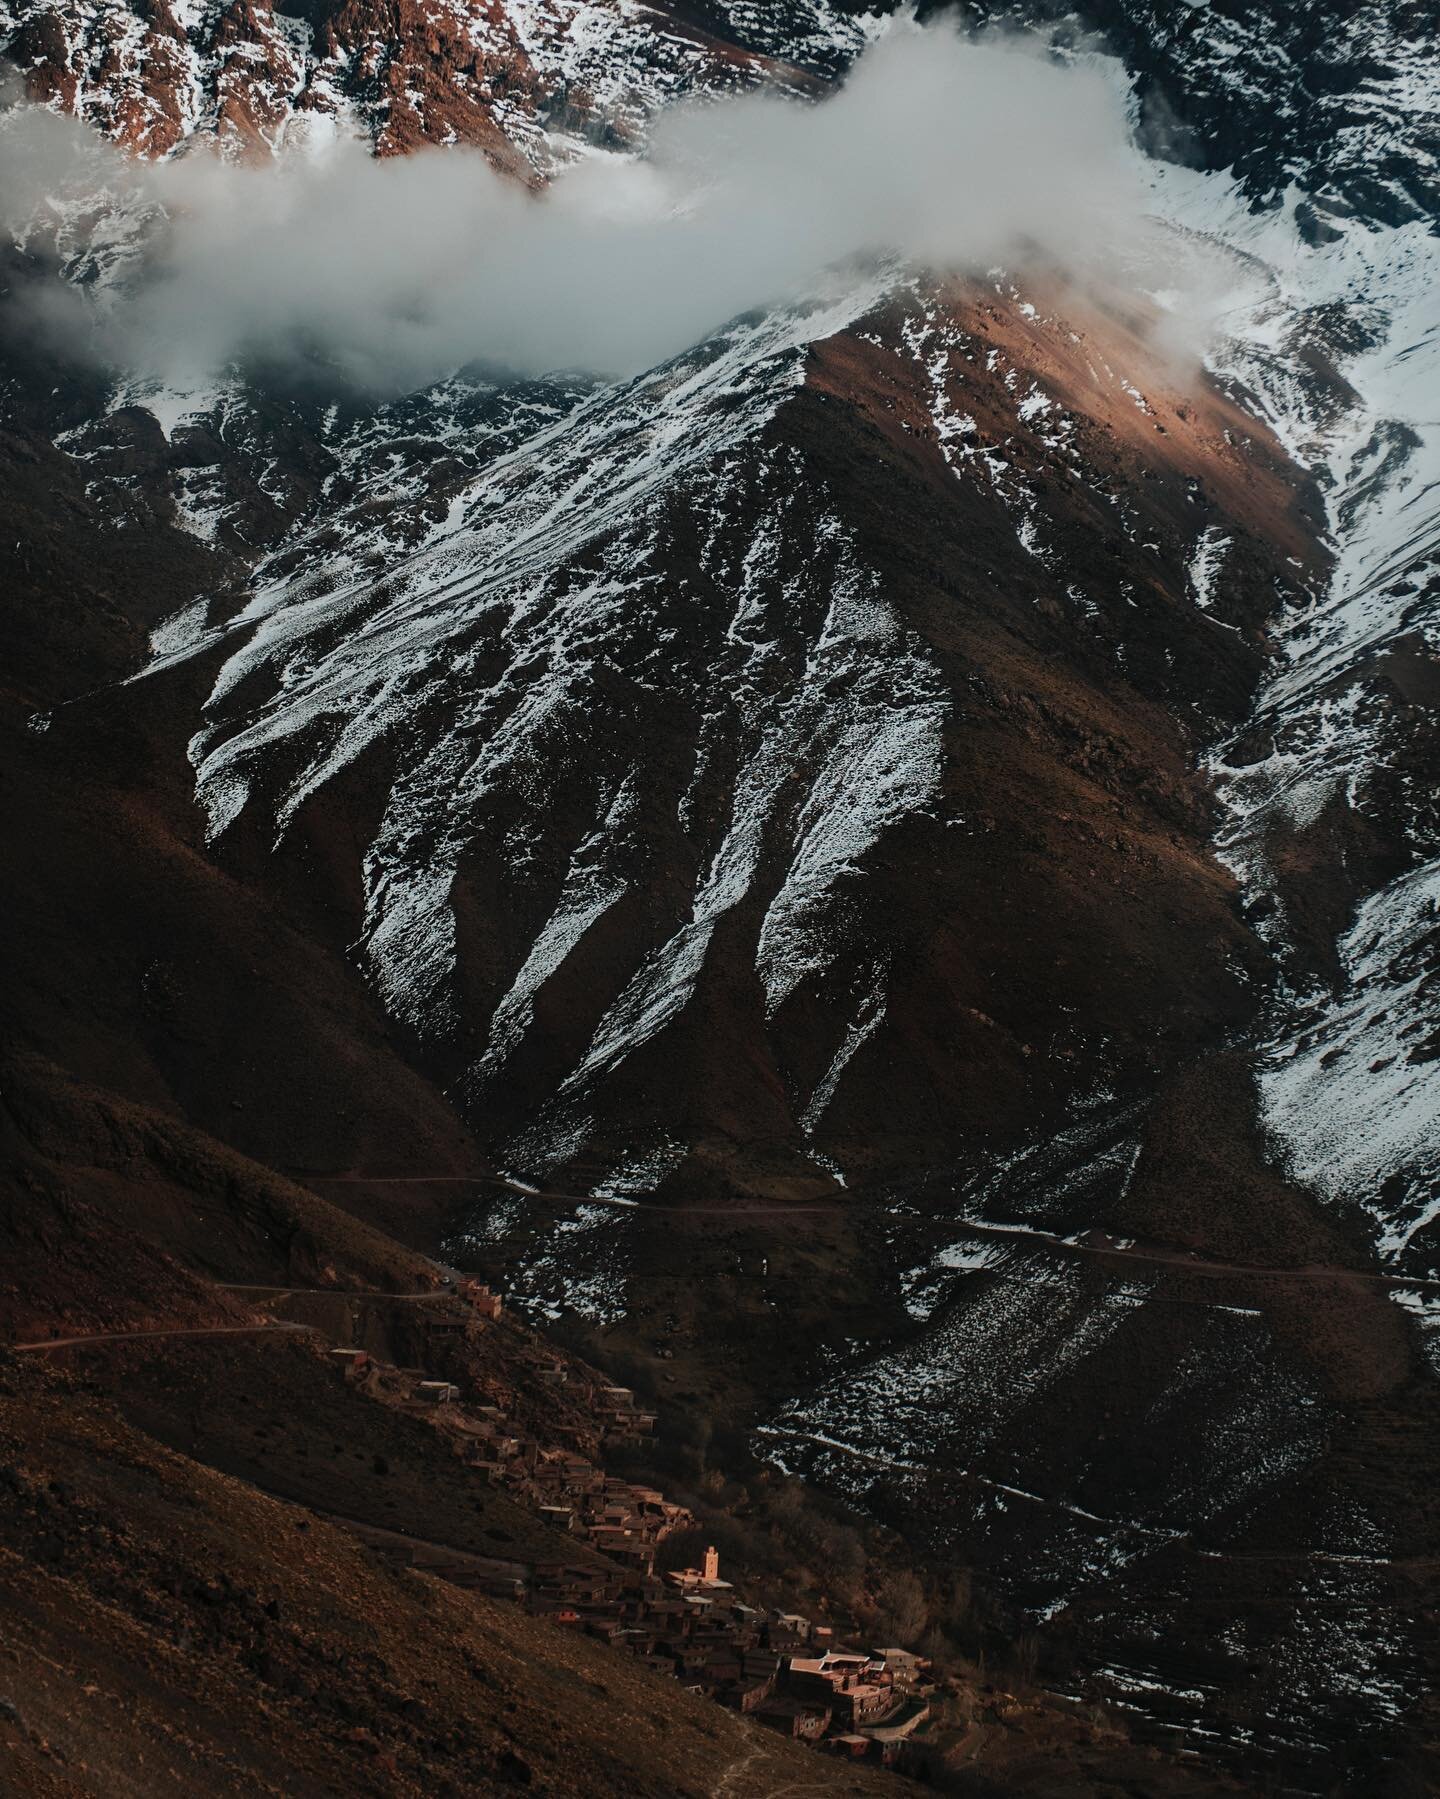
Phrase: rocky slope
x=761 y=757
x=525 y=82
x=1342 y=105
x=181 y=1653
x=921 y=790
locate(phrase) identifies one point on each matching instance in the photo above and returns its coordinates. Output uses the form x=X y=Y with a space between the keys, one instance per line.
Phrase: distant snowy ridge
x=536 y=80
x=1351 y=1073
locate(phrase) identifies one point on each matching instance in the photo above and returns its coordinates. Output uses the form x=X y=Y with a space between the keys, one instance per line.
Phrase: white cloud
x=938 y=149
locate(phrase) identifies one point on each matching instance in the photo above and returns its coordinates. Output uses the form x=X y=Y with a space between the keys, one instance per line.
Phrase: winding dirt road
x=1127 y=1255
x=214 y=1330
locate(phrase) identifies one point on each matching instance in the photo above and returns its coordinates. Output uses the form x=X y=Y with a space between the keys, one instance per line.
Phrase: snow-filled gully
x=1350 y=1068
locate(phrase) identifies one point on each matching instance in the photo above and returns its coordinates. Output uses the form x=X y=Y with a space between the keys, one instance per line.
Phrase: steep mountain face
x=1341 y=104
x=1329 y=789
x=675 y=688
x=517 y=80
x=917 y=813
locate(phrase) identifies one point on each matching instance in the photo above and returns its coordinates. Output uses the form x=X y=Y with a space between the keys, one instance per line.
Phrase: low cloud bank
x=945 y=152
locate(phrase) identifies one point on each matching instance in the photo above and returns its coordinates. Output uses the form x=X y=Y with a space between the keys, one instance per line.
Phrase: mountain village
x=788 y=1672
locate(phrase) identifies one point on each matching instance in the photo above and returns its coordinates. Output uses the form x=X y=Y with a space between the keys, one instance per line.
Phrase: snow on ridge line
x=1350 y=1090
x=557 y=78
x=867 y=682
x=546 y=560
x=621 y=447
x=1356 y=1098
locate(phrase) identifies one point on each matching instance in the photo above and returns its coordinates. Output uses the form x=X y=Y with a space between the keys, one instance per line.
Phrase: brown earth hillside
x=169 y=1631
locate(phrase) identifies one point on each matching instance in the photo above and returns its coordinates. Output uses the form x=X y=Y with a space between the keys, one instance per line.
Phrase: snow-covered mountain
x=1340 y=101
x=926 y=791
x=523 y=79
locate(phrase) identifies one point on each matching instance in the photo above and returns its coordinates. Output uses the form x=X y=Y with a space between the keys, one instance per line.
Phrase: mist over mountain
x=398 y=270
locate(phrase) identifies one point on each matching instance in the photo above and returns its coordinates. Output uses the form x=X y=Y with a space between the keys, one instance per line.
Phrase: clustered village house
x=783 y=1669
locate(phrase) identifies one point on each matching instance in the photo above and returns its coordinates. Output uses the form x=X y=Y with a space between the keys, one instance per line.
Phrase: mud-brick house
x=668 y=1614
x=722 y=1669
x=807 y=1677
x=630 y=1552
x=850 y=1665
x=588 y=1586
x=858 y=1688
x=906 y=1668
x=606 y=1537
x=856 y=1698
x=646 y=1591
x=437 y=1392
x=688 y=1659
x=470 y=1433
x=480 y=1298
x=868 y=1704
x=499 y=1587
x=352 y=1363
x=748 y=1694
x=448 y=1324
x=795 y=1718
x=787 y=1632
